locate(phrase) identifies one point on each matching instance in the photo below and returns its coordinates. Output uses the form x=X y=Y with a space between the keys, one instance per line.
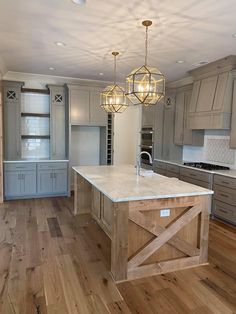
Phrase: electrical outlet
x=164 y=212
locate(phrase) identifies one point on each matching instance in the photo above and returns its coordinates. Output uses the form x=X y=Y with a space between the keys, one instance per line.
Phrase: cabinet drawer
x=194 y=181
x=224 y=211
x=172 y=168
x=225 y=195
x=161 y=165
x=171 y=174
x=161 y=172
x=195 y=174
x=225 y=181
x=20 y=166
x=52 y=165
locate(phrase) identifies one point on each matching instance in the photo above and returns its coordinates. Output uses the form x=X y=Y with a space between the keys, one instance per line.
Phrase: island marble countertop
x=228 y=173
x=121 y=184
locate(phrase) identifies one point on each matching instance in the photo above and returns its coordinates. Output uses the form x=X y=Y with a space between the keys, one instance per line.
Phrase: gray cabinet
x=210 y=106
x=19 y=180
x=12 y=104
x=148 y=116
x=98 y=116
x=233 y=117
x=184 y=135
x=58 y=122
x=52 y=178
x=85 y=107
x=224 y=201
x=164 y=146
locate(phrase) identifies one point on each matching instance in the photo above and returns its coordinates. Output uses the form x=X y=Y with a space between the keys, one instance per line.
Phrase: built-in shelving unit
x=110 y=139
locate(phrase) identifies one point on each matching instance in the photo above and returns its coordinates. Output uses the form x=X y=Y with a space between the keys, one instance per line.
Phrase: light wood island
x=156 y=224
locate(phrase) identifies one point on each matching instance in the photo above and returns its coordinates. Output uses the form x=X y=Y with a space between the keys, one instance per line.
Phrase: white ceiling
x=190 y=30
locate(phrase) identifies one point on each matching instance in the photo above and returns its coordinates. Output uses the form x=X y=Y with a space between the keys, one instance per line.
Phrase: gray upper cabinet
x=57 y=122
x=184 y=135
x=164 y=147
x=211 y=100
x=12 y=109
x=98 y=116
x=85 y=107
x=148 y=115
x=233 y=118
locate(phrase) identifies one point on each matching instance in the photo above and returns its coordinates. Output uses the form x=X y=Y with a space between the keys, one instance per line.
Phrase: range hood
x=211 y=99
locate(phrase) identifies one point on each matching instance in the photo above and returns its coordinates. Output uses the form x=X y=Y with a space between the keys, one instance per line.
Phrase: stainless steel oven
x=146 y=144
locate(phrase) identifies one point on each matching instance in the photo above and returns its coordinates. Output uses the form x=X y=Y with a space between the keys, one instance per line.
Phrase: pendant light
x=113 y=99
x=145 y=85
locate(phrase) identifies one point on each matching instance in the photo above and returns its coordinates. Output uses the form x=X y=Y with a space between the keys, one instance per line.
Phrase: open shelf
x=38 y=115
x=45 y=137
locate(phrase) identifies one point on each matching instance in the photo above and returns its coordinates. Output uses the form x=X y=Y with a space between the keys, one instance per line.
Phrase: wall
x=215 y=150
x=127 y=126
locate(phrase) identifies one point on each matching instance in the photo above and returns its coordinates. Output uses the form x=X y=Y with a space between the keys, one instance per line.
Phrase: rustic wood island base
x=148 y=236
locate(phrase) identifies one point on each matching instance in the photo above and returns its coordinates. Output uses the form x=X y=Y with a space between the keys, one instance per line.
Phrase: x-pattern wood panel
x=163 y=236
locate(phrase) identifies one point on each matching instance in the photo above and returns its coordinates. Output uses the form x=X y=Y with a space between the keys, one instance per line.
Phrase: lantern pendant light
x=113 y=99
x=145 y=85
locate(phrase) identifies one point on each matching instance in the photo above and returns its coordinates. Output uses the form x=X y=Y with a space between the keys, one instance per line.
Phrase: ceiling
x=189 y=30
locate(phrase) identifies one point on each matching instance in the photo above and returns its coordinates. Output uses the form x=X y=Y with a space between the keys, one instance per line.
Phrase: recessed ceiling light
x=234 y=35
x=198 y=64
x=51 y=68
x=101 y=73
x=180 y=61
x=60 y=44
x=80 y=2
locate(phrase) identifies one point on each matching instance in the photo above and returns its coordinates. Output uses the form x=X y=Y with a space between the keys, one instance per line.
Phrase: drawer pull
x=224 y=195
x=192 y=175
x=223 y=211
x=225 y=182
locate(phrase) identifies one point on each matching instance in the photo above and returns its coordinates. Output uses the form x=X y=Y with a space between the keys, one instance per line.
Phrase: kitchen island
x=156 y=224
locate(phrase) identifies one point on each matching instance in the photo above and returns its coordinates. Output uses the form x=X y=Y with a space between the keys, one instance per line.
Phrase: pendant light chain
x=146 y=45
x=114 y=69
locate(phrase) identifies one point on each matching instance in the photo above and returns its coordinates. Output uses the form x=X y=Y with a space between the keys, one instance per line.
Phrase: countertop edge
x=34 y=161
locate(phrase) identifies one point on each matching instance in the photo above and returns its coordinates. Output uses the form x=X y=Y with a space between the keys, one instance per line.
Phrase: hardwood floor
x=51 y=262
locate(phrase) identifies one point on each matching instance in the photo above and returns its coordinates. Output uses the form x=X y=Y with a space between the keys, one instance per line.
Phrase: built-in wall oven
x=146 y=144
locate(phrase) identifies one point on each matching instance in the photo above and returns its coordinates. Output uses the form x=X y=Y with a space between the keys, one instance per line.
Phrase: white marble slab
x=228 y=173
x=120 y=183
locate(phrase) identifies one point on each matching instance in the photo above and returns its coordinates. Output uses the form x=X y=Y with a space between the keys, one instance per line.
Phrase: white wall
x=127 y=126
x=205 y=153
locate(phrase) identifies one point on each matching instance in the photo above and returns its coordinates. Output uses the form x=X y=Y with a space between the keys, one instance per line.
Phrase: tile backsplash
x=216 y=149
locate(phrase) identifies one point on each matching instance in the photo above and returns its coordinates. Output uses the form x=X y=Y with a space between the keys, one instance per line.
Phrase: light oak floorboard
x=65 y=269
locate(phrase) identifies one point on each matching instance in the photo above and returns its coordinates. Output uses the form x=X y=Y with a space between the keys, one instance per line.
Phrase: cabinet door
x=194 y=96
x=12 y=183
x=179 y=119
x=220 y=91
x=60 y=181
x=79 y=106
x=58 y=117
x=206 y=94
x=45 y=182
x=188 y=133
x=28 y=183
x=148 y=116
x=98 y=116
x=107 y=214
x=96 y=203
x=12 y=123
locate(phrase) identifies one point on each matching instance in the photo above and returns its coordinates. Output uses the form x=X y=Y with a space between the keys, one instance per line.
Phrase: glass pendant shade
x=113 y=98
x=145 y=85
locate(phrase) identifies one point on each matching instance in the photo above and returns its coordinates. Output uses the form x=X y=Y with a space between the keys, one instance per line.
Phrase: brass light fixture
x=145 y=85
x=113 y=99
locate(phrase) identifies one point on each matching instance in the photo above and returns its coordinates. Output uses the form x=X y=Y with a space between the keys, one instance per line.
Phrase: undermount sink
x=147 y=173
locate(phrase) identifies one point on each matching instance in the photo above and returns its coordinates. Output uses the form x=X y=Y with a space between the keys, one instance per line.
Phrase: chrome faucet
x=138 y=161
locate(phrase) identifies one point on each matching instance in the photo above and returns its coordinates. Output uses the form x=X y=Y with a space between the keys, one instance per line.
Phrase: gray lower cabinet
x=19 y=181
x=25 y=180
x=52 y=178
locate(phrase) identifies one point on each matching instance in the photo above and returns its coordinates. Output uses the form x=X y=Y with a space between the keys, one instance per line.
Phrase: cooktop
x=205 y=166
